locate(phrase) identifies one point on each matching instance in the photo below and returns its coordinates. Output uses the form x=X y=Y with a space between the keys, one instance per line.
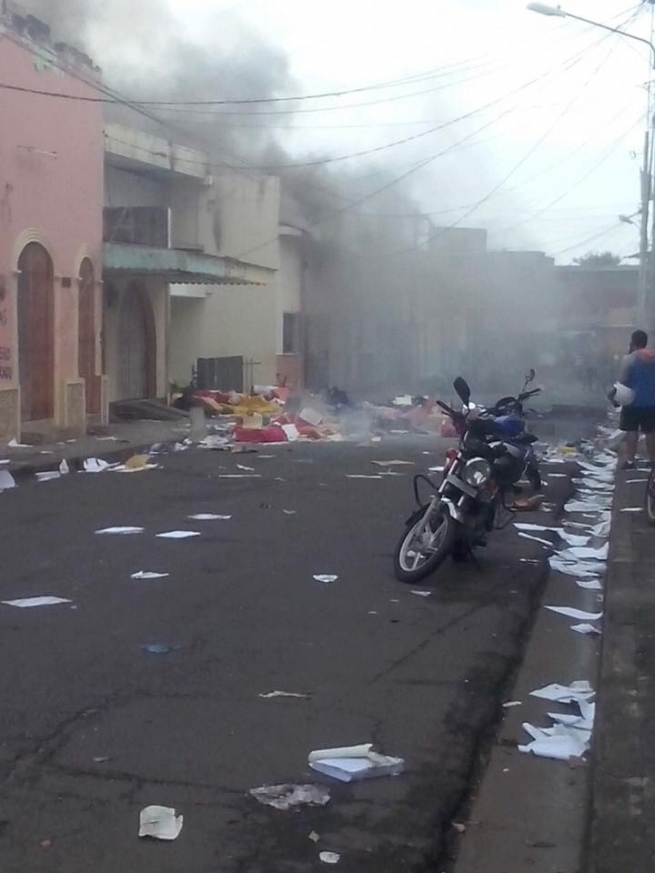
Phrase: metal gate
x=220 y=374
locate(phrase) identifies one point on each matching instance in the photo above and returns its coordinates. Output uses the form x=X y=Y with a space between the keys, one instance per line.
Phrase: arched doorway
x=86 y=342
x=136 y=345
x=36 y=354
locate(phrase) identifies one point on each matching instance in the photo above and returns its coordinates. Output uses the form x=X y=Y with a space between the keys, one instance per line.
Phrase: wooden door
x=87 y=336
x=36 y=354
x=136 y=338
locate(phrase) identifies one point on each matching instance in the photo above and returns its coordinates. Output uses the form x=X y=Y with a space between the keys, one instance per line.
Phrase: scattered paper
x=362 y=476
x=159 y=648
x=394 y=463
x=581 y=569
x=292 y=432
x=329 y=857
x=352 y=763
x=512 y=703
x=632 y=509
x=145 y=574
x=14 y=444
x=208 y=516
x=556 y=475
x=273 y=694
x=535 y=539
x=48 y=476
x=589 y=584
x=600 y=554
x=64 y=469
x=5 y=460
x=290 y=511
x=178 y=535
x=240 y=476
x=6 y=480
x=585 y=506
x=160 y=823
x=123 y=531
x=314 y=837
x=421 y=593
x=520 y=525
x=576 y=692
x=287 y=797
x=560 y=742
x=325 y=578
x=586 y=629
x=31 y=602
x=635 y=481
x=435 y=469
x=245 y=469
x=576 y=613
x=95 y=465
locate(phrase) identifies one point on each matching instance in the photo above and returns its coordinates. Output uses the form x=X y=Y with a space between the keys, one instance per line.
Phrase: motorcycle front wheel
x=424 y=546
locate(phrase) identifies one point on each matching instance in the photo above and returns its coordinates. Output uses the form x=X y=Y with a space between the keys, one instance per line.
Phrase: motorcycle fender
x=452 y=510
x=416 y=516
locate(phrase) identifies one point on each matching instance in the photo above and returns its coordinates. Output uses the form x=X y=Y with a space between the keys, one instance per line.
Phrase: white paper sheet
x=32 y=602
x=245 y=469
x=559 y=743
x=329 y=857
x=577 y=691
x=586 y=506
x=95 y=465
x=589 y=584
x=421 y=593
x=394 y=463
x=209 y=516
x=325 y=578
x=580 y=614
x=362 y=476
x=584 y=628
x=285 y=797
x=292 y=432
x=584 y=552
x=121 y=531
x=178 y=535
x=240 y=476
x=14 y=444
x=160 y=823
x=7 y=481
x=64 y=469
x=535 y=539
x=48 y=476
x=632 y=509
x=146 y=574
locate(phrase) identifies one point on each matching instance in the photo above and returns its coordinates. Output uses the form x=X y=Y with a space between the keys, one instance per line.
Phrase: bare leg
x=631 y=440
x=650 y=446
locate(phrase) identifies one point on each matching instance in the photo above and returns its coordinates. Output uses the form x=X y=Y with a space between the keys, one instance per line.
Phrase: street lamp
x=646 y=173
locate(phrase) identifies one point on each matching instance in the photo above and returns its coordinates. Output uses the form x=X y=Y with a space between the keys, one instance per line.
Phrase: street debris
x=325 y=579
x=287 y=796
x=64 y=469
x=178 y=535
x=362 y=476
x=32 y=602
x=395 y=463
x=589 y=584
x=208 y=516
x=6 y=480
x=144 y=574
x=421 y=593
x=560 y=742
x=529 y=504
x=586 y=629
x=121 y=531
x=576 y=613
x=512 y=703
x=240 y=476
x=48 y=476
x=577 y=691
x=290 y=511
x=159 y=648
x=95 y=465
x=329 y=857
x=536 y=539
x=314 y=837
x=14 y=444
x=160 y=823
x=273 y=694
x=353 y=763
x=632 y=509
x=245 y=469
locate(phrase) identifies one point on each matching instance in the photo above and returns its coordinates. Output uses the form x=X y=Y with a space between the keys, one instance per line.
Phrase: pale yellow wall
x=187 y=315
x=288 y=281
x=247 y=212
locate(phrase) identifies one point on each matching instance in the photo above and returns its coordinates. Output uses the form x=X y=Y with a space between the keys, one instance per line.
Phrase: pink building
x=51 y=199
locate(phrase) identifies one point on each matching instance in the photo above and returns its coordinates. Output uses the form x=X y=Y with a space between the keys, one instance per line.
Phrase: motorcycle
x=509 y=416
x=470 y=502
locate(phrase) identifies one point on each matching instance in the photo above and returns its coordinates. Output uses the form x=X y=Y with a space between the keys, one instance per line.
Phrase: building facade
x=51 y=183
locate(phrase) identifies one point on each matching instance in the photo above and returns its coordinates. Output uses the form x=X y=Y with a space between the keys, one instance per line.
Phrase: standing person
x=637 y=372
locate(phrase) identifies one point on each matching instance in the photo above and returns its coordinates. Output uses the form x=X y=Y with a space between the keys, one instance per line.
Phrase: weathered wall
x=51 y=190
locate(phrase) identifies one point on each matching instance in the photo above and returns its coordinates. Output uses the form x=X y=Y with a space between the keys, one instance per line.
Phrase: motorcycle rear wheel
x=424 y=547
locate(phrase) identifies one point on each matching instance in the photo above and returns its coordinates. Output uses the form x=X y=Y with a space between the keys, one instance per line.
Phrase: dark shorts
x=635 y=418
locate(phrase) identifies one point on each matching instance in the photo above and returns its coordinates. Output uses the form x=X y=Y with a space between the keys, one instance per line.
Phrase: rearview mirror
x=461 y=386
x=530 y=376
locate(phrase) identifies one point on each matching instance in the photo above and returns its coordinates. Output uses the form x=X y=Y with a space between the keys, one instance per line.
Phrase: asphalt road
x=93 y=727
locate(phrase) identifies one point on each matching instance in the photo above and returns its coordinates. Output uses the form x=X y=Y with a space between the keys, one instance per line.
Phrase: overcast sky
x=551 y=164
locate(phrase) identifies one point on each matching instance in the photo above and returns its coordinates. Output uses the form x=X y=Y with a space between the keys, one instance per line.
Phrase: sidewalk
x=622 y=814
x=116 y=442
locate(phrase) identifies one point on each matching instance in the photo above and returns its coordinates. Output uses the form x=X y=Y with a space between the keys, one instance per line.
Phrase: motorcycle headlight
x=476 y=472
